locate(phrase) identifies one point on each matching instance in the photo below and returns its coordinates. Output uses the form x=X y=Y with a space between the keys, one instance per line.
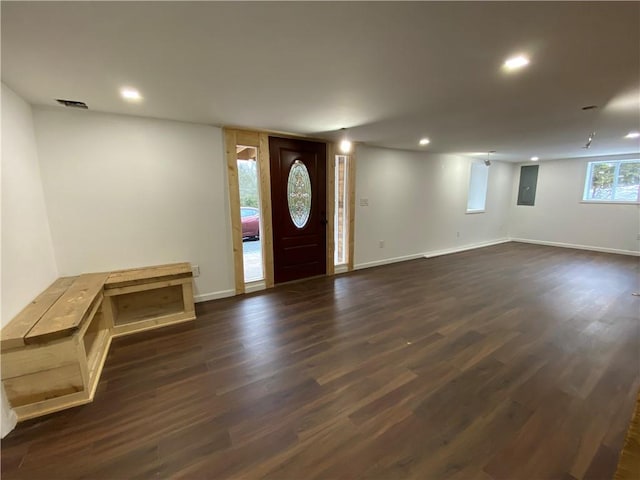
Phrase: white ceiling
x=390 y=72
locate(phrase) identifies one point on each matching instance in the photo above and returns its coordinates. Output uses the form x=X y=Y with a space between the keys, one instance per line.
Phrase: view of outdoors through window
x=340 y=220
x=617 y=181
x=250 y=213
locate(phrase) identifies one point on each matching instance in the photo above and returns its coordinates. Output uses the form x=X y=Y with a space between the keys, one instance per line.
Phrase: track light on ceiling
x=592 y=135
x=589 y=140
x=487 y=162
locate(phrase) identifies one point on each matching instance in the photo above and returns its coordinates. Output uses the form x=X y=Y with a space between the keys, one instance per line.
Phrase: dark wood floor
x=509 y=362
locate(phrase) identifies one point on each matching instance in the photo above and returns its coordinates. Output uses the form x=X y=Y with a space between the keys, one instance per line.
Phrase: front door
x=298 y=202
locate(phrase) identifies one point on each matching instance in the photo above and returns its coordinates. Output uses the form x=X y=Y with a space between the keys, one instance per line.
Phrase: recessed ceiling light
x=130 y=94
x=424 y=141
x=516 y=62
x=632 y=135
x=535 y=159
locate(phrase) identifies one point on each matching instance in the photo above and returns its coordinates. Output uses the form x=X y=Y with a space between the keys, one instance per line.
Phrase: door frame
x=234 y=136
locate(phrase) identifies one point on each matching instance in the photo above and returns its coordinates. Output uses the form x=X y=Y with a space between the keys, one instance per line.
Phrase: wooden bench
x=144 y=298
x=53 y=351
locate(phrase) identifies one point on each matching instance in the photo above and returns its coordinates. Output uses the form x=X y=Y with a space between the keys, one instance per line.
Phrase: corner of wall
x=28 y=259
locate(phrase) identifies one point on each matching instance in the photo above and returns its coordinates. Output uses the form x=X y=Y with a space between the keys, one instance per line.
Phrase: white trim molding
x=386 y=261
x=251 y=287
x=338 y=269
x=434 y=253
x=205 y=297
x=634 y=253
x=464 y=248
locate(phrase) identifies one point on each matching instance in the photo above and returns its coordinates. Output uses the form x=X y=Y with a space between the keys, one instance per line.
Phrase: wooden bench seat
x=53 y=351
x=13 y=334
x=136 y=276
x=74 y=307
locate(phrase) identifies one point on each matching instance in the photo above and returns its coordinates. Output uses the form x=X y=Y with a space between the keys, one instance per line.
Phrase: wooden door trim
x=330 y=209
x=230 y=141
x=260 y=139
x=261 y=142
x=249 y=133
x=264 y=169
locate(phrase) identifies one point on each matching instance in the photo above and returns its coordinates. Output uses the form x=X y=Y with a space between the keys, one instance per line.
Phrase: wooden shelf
x=136 y=307
x=147 y=305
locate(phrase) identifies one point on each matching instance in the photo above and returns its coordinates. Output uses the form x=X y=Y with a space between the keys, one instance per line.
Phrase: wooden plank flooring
x=509 y=362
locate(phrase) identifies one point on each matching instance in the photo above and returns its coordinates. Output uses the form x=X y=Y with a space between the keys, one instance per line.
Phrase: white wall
x=417 y=205
x=559 y=216
x=125 y=191
x=28 y=263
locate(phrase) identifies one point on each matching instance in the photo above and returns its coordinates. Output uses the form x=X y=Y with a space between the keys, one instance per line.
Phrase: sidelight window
x=250 y=220
x=341 y=210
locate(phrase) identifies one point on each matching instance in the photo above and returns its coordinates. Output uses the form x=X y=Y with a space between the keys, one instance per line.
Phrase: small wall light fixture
x=345 y=143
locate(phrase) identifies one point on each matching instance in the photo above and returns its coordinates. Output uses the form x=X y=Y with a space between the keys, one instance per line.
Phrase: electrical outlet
x=195 y=269
x=381 y=243
x=458 y=234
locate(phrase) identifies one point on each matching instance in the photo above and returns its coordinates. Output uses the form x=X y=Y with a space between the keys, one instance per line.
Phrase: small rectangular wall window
x=611 y=182
x=341 y=210
x=478 y=182
x=528 y=185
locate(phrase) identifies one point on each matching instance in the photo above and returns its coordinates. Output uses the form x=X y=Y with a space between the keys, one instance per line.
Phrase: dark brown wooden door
x=298 y=203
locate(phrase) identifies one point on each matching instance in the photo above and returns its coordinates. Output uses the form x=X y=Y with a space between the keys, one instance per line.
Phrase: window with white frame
x=613 y=181
x=478 y=181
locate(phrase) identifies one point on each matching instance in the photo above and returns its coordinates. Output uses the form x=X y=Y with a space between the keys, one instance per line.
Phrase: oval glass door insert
x=299 y=194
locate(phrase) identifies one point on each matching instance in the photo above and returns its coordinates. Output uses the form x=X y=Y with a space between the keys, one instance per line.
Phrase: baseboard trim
x=464 y=248
x=254 y=286
x=205 y=297
x=339 y=269
x=435 y=253
x=387 y=261
x=617 y=251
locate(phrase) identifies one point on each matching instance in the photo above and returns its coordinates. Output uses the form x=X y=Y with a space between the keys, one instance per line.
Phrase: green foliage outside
x=602 y=177
x=248 y=180
x=603 y=180
x=629 y=174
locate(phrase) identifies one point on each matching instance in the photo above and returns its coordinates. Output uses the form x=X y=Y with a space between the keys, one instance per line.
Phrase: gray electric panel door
x=528 y=183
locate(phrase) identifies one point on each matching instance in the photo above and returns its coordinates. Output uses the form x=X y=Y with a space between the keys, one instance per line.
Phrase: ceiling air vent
x=72 y=103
